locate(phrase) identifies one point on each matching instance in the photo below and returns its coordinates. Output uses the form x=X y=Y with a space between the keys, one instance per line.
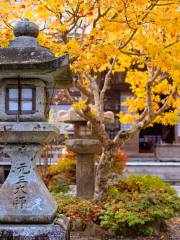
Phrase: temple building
x=145 y=143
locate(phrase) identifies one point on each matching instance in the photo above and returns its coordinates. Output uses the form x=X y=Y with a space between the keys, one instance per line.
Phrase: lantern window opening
x=84 y=130
x=20 y=100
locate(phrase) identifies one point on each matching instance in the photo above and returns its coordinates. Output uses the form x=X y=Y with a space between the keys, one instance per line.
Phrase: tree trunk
x=103 y=173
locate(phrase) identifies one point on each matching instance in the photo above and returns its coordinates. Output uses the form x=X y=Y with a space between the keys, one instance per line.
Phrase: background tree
x=107 y=36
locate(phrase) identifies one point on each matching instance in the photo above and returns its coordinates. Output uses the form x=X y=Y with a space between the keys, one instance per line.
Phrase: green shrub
x=63 y=173
x=65 y=165
x=135 y=203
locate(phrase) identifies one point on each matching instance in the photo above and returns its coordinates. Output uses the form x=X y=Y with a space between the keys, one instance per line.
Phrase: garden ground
x=173 y=233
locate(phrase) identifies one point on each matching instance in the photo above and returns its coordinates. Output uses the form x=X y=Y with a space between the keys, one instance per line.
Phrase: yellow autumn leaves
x=138 y=33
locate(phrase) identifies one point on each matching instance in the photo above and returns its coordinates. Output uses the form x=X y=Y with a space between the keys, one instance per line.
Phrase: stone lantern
x=86 y=145
x=26 y=72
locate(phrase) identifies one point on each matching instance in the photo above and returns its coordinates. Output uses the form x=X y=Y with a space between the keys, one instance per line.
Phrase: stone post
x=85 y=175
x=86 y=146
x=86 y=150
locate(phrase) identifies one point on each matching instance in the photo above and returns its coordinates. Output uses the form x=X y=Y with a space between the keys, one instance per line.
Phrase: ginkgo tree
x=138 y=37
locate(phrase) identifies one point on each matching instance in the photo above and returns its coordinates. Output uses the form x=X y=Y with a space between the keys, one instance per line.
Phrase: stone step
x=148 y=163
x=168 y=171
x=142 y=159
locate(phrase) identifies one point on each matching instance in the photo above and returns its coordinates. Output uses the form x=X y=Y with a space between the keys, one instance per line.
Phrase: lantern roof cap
x=70 y=116
x=25 y=58
x=26 y=28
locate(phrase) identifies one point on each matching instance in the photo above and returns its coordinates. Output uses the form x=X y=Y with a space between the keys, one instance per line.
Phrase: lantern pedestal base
x=24 y=198
x=54 y=231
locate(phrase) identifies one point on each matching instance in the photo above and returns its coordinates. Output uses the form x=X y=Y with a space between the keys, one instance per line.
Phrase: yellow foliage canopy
x=136 y=34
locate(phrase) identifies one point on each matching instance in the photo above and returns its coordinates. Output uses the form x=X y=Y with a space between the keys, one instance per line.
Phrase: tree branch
x=105 y=86
x=95 y=90
x=70 y=98
x=100 y=15
x=150 y=8
x=83 y=89
x=152 y=78
x=143 y=115
x=165 y=105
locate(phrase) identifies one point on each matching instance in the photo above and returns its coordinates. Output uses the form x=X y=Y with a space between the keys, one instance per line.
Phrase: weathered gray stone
x=23 y=197
x=85 y=166
x=70 y=116
x=26 y=28
x=85 y=175
x=24 y=58
x=53 y=231
x=109 y=117
x=83 y=146
x=24 y=132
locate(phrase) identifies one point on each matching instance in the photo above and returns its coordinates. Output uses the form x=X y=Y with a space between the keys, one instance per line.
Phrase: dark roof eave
x=57 y=68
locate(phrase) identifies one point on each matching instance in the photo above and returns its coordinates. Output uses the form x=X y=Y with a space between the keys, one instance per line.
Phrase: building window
x=112 y=105
x=20 y=100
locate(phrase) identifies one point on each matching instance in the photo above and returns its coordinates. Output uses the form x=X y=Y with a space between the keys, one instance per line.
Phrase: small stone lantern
x=26 y=72
x=86 y=146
